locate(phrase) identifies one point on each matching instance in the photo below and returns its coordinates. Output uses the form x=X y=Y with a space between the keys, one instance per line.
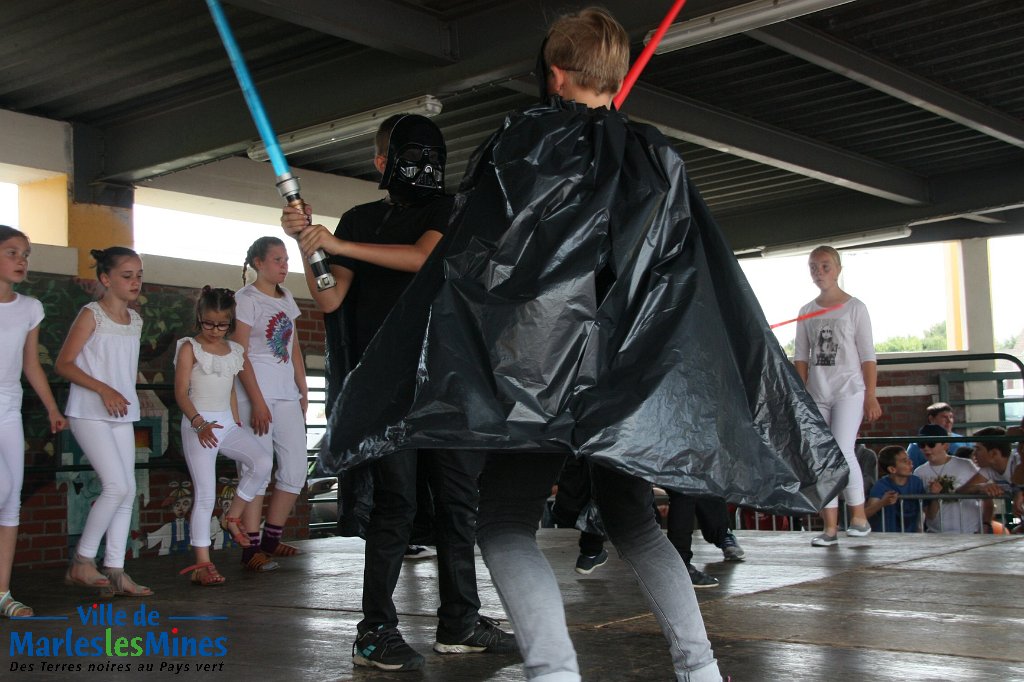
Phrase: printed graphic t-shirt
x=271 y=340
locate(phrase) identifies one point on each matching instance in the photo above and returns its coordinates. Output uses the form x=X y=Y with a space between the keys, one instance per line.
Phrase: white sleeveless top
x=111 y=355
x=209 y=386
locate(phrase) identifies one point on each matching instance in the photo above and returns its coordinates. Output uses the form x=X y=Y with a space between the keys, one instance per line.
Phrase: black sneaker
x=486 y=637
x=416 y=552
x=585 y=565
x=699 y=578
x=731 y=548
x=384 y=648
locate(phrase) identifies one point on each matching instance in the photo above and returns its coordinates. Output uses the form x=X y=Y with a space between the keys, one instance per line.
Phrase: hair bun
x=97 y=254
x=207 y=288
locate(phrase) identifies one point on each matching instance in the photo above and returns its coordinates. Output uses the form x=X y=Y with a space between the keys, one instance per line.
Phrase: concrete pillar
x=980 y=329
x=43 y=210
x=91 y=226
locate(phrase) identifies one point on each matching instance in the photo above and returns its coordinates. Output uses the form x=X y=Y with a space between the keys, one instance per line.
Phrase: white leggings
x=286 y=438
x=233 y=442
x=110 y=447
x=12 y=466
x=844 y=417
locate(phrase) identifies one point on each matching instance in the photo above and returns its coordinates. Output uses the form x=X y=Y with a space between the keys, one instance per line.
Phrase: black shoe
x=416 y=552
x=585 y=565
x=699 y=578
x=486 y=637
x=384 y=648
x=731 y=549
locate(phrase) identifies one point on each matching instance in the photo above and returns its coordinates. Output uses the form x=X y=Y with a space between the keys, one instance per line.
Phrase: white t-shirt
x=834 y=344
x=1002 y=476
x=17 y=319
x=209 y=386
x=954 y=517
x=111 y=355
x=270 y=342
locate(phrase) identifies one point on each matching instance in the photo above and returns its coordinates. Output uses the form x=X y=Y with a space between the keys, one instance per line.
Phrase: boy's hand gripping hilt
x=288 y=186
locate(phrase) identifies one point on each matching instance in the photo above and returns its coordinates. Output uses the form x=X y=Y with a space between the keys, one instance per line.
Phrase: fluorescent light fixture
x=737 y=19
x=346 y=128
x=841 y=242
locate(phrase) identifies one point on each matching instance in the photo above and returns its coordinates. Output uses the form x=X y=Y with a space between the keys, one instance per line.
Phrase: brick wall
x=905 y=414
x=167 y=312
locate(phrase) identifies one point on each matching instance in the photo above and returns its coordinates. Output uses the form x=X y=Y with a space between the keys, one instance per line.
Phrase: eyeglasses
x=926 y=445
x=219 y=326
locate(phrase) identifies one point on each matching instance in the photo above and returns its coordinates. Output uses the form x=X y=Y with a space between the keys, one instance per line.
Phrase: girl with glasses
x=205 y=369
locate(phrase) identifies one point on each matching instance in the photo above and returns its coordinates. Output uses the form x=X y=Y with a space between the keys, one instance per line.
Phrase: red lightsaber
x=808 y=315
x=645 y=56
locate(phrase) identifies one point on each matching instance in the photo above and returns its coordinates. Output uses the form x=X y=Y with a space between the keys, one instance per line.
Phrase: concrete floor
x=885 y=607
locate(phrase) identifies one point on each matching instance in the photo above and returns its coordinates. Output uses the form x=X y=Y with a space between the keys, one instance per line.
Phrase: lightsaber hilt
x=288 y=187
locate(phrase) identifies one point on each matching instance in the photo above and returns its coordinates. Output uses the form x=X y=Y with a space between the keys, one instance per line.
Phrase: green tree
x=933 y=338
x=1009 y=343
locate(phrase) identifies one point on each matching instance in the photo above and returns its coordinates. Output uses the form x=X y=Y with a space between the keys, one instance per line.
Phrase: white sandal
x=12 y=608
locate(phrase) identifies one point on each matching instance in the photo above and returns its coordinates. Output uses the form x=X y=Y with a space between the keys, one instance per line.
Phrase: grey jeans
x=513 y=489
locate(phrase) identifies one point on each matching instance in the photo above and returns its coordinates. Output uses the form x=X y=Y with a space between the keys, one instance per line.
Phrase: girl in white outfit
x=19 y=337
x=100 y=358
x=272 y=397
x=205 y=368
x=835 y=356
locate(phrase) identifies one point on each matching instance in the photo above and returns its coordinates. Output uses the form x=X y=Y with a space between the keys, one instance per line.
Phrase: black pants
x=574 y=494
x=453 y=477
x=710 y=511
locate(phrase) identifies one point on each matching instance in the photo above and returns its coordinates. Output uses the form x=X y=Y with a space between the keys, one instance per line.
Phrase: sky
x=896 y=283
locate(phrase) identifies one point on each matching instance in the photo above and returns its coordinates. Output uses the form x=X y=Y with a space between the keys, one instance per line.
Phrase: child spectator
x=944 y=474
x=20 y=317
x=998 y=463
x=941 y=414
x=898 y=516
x=100 y=358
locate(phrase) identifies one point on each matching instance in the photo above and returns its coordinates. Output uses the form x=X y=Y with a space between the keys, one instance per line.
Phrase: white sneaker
x=858 y=531
x=825 y=540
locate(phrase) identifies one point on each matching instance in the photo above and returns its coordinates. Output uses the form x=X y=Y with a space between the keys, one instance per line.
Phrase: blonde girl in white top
x=835 y=356
x=20 y=317
x=272 y=399
x=100 y=358
x=205 y=368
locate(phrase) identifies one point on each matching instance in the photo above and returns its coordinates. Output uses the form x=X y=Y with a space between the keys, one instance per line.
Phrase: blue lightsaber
x=287 y=184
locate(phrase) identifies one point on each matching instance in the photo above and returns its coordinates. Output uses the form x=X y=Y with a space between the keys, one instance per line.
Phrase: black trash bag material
x=585 y=302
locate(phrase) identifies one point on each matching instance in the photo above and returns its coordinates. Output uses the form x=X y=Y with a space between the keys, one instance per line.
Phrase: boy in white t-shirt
x=998 y=463
x=945 y=474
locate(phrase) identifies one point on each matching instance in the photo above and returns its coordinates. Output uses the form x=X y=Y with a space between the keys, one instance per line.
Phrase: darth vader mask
x=416 y=157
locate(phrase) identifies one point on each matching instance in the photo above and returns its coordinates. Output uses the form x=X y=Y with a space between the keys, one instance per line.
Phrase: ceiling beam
x=393 y=27
x=692 y=121
x=822 y=50
x=218 y=125
x=973 y=191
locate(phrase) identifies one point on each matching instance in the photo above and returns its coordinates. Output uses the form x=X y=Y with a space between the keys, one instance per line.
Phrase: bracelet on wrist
x=192 y=419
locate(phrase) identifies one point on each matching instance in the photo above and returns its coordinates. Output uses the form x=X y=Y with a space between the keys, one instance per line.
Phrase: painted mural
x=160 y=517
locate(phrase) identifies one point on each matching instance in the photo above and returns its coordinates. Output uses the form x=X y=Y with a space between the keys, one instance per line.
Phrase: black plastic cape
x=585 y=302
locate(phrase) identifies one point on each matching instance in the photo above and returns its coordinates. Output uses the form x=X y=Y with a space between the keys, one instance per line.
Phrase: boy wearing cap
x=945 y=474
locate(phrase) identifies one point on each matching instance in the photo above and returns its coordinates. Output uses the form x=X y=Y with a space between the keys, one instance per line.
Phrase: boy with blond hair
x=587 y=58
x=584 y=303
